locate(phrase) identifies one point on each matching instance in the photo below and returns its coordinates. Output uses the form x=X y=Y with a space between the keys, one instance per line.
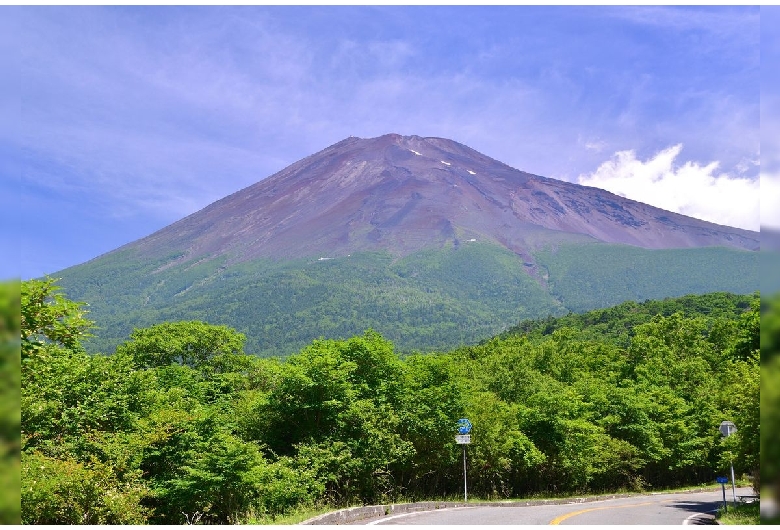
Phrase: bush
x=69 y=492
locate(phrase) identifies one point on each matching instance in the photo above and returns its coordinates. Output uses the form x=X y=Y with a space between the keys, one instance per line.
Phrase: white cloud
x=597 y=146
x=690 y=188
x=770 y=200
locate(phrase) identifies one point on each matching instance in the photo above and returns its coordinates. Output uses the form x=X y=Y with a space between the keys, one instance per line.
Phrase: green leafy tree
x=286 y=484
x=739 y=401
x=77 y=418
x=192 y=343
x=10 y=418
x=66 y=491
x=503 y=458
x=432 y=399
x=180 y=426
x=624 y=413
x=47 y=316
x=740 y=394
x=748 y=343
x=770 y=393
x=343 y=391
x=215 y=479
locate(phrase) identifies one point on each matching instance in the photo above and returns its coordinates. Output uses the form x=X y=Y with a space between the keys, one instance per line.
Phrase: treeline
x=179 y=425
x=422 y=301
x=431 y=300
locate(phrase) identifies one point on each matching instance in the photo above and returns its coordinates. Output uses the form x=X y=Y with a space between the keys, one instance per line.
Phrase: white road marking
x=384 y=519
x=688 y=520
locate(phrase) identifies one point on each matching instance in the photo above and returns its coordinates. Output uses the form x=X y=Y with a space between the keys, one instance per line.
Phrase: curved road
x=664 y=509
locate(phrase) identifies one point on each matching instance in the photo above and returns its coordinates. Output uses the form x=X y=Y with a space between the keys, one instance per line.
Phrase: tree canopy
x=180 y=425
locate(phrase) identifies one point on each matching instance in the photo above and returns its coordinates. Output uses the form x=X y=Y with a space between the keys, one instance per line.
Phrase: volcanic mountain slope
x=422 y=239
x=406 y=193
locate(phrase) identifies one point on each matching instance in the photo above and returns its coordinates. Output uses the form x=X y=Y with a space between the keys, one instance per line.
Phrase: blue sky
x=126 y=119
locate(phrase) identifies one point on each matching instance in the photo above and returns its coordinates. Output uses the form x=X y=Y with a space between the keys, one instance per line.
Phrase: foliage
x=770 y=395
x=47 y=316
x=588 y=276
x=179 y=425
x=347 y=394
x=10 y=419
x=426 y=301
x=746 y=514
x=65 y=491
x=617 y=323
x=194 y=344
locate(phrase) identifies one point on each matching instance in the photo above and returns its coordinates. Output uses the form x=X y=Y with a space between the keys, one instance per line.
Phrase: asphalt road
x=657 y=509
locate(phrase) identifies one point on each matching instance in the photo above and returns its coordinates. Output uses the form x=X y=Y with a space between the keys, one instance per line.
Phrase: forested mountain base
x=179 y=425
x=431 y=300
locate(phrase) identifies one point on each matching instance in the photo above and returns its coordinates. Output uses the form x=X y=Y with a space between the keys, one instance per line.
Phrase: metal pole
x=733 y=489
x=465 y=490
x=725 y=506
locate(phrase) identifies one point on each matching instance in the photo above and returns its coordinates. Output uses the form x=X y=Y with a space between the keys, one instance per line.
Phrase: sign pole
x=727 y=428
x=733 y=489
x=464 y=438
x=722 y=481
x=465 y=487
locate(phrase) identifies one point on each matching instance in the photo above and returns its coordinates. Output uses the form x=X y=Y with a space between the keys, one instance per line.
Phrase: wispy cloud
x=250 y=80
x=162 y=110
x=730 y=24
x=592 y=144
x=689 y=188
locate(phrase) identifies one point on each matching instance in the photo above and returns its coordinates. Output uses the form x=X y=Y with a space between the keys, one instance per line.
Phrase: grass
x=742 y=514
x=294 y=517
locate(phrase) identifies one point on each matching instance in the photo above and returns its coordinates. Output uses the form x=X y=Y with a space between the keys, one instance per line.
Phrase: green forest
x=431 y=300
x=180 y=425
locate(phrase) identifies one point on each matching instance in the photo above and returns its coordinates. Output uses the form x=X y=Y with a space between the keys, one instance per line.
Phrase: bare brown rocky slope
x=405 y=193
x=432 y=244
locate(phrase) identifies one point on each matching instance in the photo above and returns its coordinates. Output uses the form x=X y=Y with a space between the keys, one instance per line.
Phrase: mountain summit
x=406 y=193
x=424 y=240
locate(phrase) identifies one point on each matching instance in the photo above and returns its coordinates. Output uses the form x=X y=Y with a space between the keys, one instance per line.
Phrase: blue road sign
x=722 y=480
x=464 y=426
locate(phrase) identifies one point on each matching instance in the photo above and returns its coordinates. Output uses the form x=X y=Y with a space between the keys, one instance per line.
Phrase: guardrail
x=748 y=498
x=358 y=513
